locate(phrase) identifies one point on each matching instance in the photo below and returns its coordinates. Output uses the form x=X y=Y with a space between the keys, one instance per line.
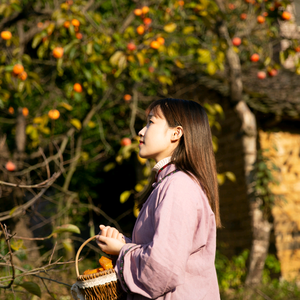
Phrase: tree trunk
x=260 y=245
x=261 y=228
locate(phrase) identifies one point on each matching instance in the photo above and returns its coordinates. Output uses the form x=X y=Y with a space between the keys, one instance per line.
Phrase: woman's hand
x=110 y=240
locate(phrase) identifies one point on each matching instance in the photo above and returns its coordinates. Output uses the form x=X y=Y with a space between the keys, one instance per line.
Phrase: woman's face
x=157 y=138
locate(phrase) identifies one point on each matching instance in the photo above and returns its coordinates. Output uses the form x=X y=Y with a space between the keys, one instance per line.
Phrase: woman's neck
x=161 y=163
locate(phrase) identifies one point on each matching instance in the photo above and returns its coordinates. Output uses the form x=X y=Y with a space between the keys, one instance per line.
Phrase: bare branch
x=11 y=258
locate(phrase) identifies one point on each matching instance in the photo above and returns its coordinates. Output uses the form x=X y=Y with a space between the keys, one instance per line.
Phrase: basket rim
x=77 y=258
x=95 y=275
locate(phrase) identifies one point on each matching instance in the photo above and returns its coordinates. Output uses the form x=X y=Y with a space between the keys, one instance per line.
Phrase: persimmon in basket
x=88 y=271
x=105 y=263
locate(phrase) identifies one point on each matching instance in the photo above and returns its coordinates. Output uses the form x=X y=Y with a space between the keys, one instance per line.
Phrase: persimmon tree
x=76 y=77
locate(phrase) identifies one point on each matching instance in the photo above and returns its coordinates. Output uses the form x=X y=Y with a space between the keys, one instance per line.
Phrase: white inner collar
x=161 y=163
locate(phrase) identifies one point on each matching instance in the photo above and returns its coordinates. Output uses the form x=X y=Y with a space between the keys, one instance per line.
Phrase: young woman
x=172 y=251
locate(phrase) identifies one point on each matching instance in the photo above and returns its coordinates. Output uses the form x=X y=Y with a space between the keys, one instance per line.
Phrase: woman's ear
x=177 y=133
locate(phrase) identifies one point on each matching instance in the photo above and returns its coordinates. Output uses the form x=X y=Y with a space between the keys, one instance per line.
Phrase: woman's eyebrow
x=149 y=117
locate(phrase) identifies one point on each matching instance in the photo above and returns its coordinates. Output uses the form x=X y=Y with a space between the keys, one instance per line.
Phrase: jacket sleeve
x=158 y=267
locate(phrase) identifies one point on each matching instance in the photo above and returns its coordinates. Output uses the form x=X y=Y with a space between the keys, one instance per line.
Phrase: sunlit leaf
x=136 y=210
x=109 y=167
x=138 y=187
x=141 y=160
x=170 y=27
x=179 y=64
x=76 y=123
x=67 y=228
x=17 y=245
x=66 y=106
x=211 y=68
x=188 y=29
x=141 y=58
x=230 y=176
x=31 y=287
x=124 y=196
x=221 y=178
x=68 y=246
x=13 y=210
x=204 y=56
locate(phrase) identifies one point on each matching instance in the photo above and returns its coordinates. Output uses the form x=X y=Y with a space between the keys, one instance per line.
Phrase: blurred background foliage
x=75 y=80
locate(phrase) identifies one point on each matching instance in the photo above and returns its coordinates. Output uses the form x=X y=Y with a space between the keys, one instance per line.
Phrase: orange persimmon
x=105 y=263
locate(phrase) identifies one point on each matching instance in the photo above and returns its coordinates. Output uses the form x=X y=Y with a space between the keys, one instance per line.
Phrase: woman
x=172 y=251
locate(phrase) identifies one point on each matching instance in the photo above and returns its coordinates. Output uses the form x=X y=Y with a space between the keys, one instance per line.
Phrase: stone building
x=275 y=103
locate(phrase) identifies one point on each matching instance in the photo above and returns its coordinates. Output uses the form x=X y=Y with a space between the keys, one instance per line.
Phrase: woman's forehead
x=156 y=112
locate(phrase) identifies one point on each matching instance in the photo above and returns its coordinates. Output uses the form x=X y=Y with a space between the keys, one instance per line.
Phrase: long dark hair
x=194 y=153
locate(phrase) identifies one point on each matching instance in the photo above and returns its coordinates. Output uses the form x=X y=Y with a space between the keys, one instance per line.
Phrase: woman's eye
x=150 y=122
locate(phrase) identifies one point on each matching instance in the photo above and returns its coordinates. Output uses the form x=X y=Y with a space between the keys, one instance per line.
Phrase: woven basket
x=103 y=285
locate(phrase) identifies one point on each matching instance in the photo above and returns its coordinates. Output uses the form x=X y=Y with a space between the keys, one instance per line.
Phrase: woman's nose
x=142 y=131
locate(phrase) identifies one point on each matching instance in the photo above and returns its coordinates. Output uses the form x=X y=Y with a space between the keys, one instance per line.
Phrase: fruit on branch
x=180 y=3
x=53 y=114
x=18 y=69
x=25 y=112
x=243 y=16
x=10 y=166
x=160 y=40
x=22 y=75
x=151 y=69
x=254 y=57
x=58 y=52
x=154 y=44
x=140 y=29
x=125 y=141
x=145 y=9
x=6 y=35
x=272 y=72
x=131 y=46
x=77 y=87
x=75 y=23
x=147 y=21
x=261 y=75
x=138 y=12
x=11 y=110
x=67 y=24
x=78 y=35
x=127 y=97
x=236 y=41
x=260 y=19
x=286 y=15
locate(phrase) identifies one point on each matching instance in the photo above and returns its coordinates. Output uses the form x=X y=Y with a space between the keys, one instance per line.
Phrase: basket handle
x=78 y=253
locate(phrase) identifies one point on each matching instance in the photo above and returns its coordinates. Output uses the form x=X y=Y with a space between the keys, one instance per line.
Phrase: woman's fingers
x=109 y=245
x=108 y=231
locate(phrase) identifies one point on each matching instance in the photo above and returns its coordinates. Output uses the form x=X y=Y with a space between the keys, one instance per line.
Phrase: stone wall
x=234 y=205
x=286 y=213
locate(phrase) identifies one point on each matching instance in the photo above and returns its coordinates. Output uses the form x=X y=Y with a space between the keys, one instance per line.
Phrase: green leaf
x=138 y=187
x=68 y=246
x=67 y=228
x=36 y=40
x=188 y=29
x=211 y=68
x=31 y=287
x=221 y=178
x=170 y=27
x=230 y=176
x=17 y=245
x=204 y=56
x=109 y=167
x=124 y=196
x=13 y=210
x=76 y=123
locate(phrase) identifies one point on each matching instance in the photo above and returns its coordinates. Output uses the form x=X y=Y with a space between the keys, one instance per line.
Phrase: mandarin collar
x=168 y=169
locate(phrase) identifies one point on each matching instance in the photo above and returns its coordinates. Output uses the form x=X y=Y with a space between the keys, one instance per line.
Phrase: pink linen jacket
x=172 y=252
